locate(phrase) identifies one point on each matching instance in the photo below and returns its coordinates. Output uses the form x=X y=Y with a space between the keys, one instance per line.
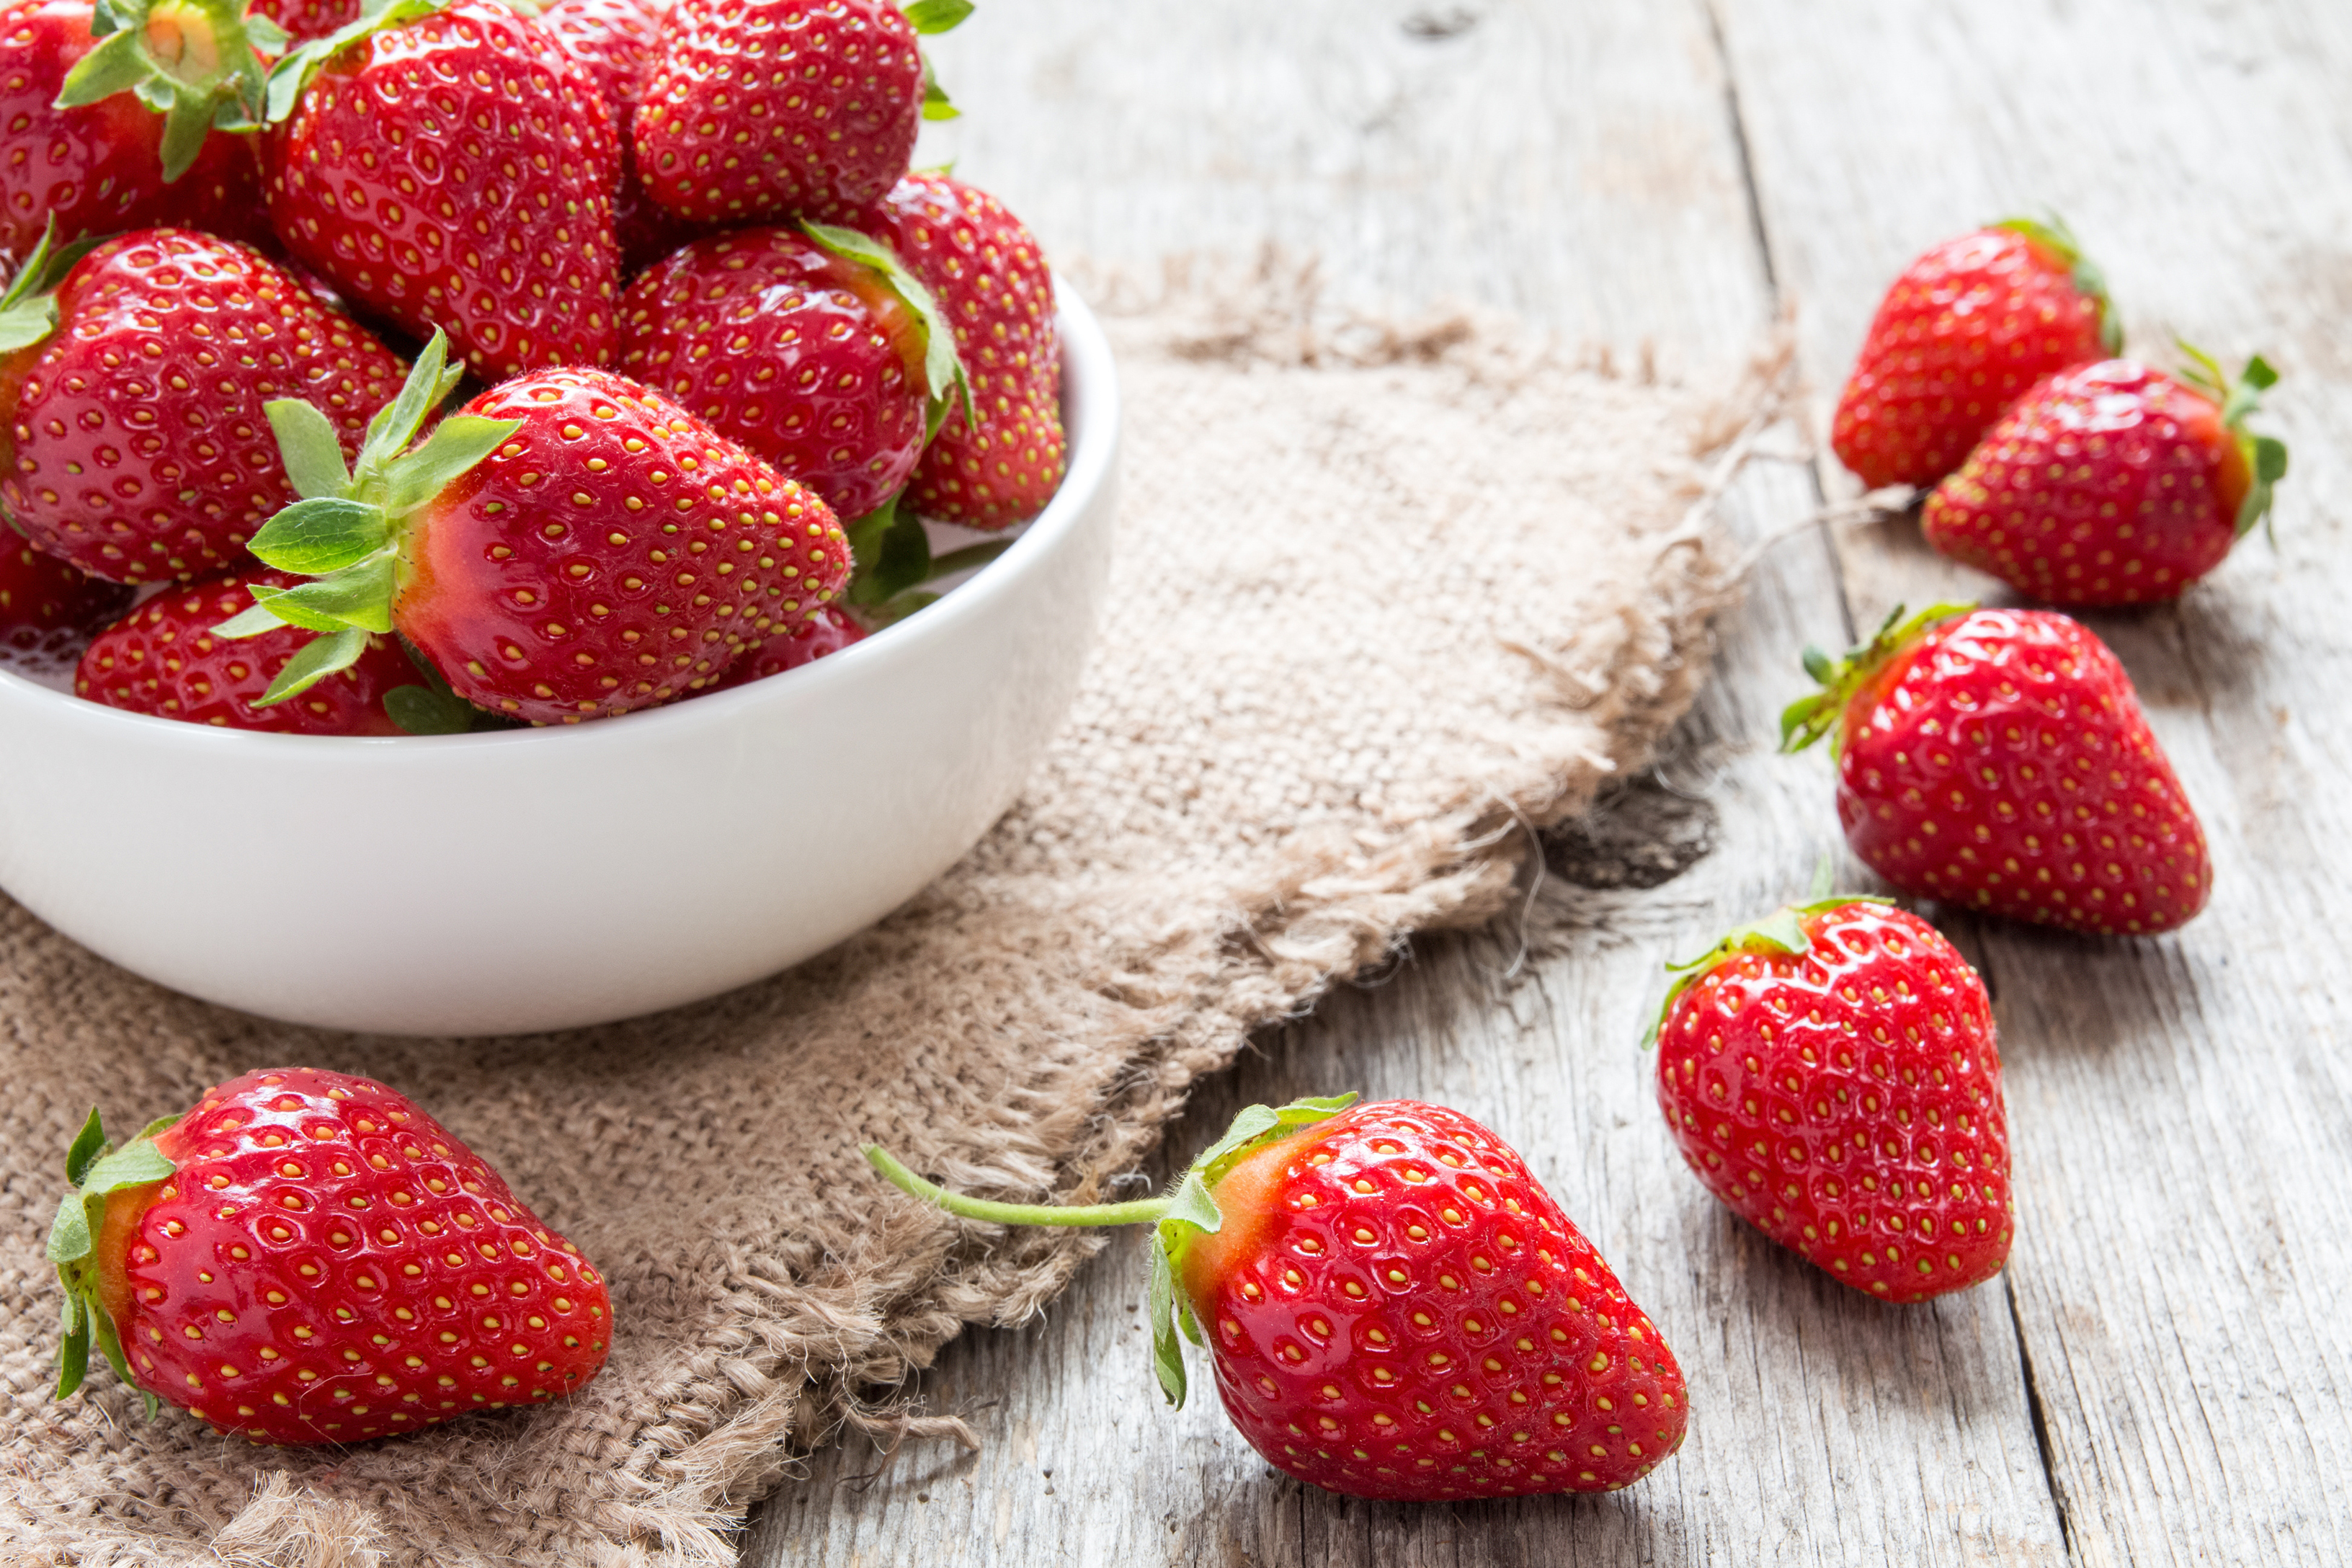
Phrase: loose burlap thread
x=1385 y=601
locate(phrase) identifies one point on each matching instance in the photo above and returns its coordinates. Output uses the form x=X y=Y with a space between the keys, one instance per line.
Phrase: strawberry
x=165 y=660
x=83 y=148
x=44 y=601
x=1999 y=760
x=1394 y=1307
x=826 y=632
x=1831 y=1073
x=306 y=21
x=308 y=1257
x=1966 y=328
x=453 y=168
x=568 y=546
x=613 y=41
x=2113 y=483
x=999 y=460
x=130 y=409
x=767 y=109
x=817 y=351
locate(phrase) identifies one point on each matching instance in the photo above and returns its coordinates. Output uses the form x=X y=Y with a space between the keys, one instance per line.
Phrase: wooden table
x=2162 y=1374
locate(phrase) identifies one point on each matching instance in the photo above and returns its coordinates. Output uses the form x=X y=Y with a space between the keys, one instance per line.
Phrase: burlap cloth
x=1384 y=601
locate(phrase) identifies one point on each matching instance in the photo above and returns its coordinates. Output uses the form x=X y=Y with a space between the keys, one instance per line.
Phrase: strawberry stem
x=1142 y=1211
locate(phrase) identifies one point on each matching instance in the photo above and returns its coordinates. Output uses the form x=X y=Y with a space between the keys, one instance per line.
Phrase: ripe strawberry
x=306 y=21
x=767 y=109
x=2112 y=483
x=826 y=632
x=1003 y=464
x=131 y=419
x=817 y=351
x=1831 y=1073
x=308 y=1257
x=165 y=660
x=1394 y=1307
x=44 y=601
x=81 y=151
x=453 y=168
x=613 y=41
x=568 y=546
x=1966 y=328
x=1999 y=760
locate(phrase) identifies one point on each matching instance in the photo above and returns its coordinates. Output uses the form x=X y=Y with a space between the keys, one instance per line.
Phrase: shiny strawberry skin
x=1397 y=1309
x=804 y=358
x=99 y=168
x=135 y=445
x=1965 y=330
x=2108 y=484
x=615 y=41
x=763 y=109
x=305 y=20
x=615 y=553
x=459 y=171
x=1847 y=1103
x=43 y=598
x=328 y=1264
x=992 y=281
x=2002 y=763
x=826 y=632
x=164 y=659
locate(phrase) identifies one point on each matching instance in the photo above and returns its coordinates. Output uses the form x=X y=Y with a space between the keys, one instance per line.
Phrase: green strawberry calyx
x=1187 y=1209
x=298 y=67
x=2051 y=234
x=1781 y=931
x=945 y=383
x=1819 y=713
x=197 y=63
x=96 y=1171
x=347 y=532
x=29 y=308
x=929 y=18
x=2264 y=455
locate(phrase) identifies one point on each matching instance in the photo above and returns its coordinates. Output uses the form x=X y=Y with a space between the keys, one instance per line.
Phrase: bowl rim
x=1091 y=409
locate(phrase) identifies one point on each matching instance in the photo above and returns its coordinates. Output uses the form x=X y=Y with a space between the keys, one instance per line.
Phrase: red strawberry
x=991 y=282
x=826 y=632
x=812 y=349
x=134 y=441
x=306 y=21
x=568 y=546
x=614 y=40
x=1831 y=1073
x=2112 y=483
x=1965 y=330
x=43 y=600
x=308 y=1257
x=767 y=109
x=79 y=148
x=1999 y=760
x=453 y=168
x=1394 y=1307
x=165 y=660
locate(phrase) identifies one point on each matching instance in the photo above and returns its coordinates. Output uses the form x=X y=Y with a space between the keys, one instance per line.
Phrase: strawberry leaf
x=894 y=553
x=318 y=659
x=935 y=97
x=421 y=711
x=457 y=444
x=28 y=310
x=86 y=1146
x=308 y=447
x=324 y=533
x=198 y=63
x=933 y=17
x=295 y=71
x=1820 y=713
x=1781 y=931
x=115 y=66
x=359 y=595
x=943 y=372
x=395 y=424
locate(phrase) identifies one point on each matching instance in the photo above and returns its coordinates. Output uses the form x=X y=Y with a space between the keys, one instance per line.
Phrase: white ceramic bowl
x=537 y=880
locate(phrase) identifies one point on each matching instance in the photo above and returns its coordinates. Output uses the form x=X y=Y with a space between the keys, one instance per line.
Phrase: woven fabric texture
x=1384 y=602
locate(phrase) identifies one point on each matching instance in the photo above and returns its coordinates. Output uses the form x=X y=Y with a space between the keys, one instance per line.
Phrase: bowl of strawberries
x=599 y=572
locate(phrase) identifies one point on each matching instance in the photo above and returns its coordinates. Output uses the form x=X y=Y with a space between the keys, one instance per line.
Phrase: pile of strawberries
x=723 y=345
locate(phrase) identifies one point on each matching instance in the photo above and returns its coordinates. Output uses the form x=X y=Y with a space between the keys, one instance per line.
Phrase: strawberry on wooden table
x=815 y=348
x=131 y=422
x=567 y=546
x=1393 y=1305
x=127 y=128
x=769 y=109
x=2113 y=483
x=450 y=166
x=165 y=660
x=1830 y=1072
x=998 y=459
x=1999 y=760
x=308 y=1257
x=1967 y=328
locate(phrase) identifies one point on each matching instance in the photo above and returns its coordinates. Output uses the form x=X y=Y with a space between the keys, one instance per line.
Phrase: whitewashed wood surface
x=2162 y=1375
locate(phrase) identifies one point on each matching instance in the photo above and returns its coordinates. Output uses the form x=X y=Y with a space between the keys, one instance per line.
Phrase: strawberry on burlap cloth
x=1381 y=601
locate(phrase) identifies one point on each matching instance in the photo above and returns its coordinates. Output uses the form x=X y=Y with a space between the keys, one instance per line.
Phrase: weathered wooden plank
x=2182 y=1108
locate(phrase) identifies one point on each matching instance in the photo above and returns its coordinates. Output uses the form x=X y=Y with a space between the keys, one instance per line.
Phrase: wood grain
x=2162 y=1374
